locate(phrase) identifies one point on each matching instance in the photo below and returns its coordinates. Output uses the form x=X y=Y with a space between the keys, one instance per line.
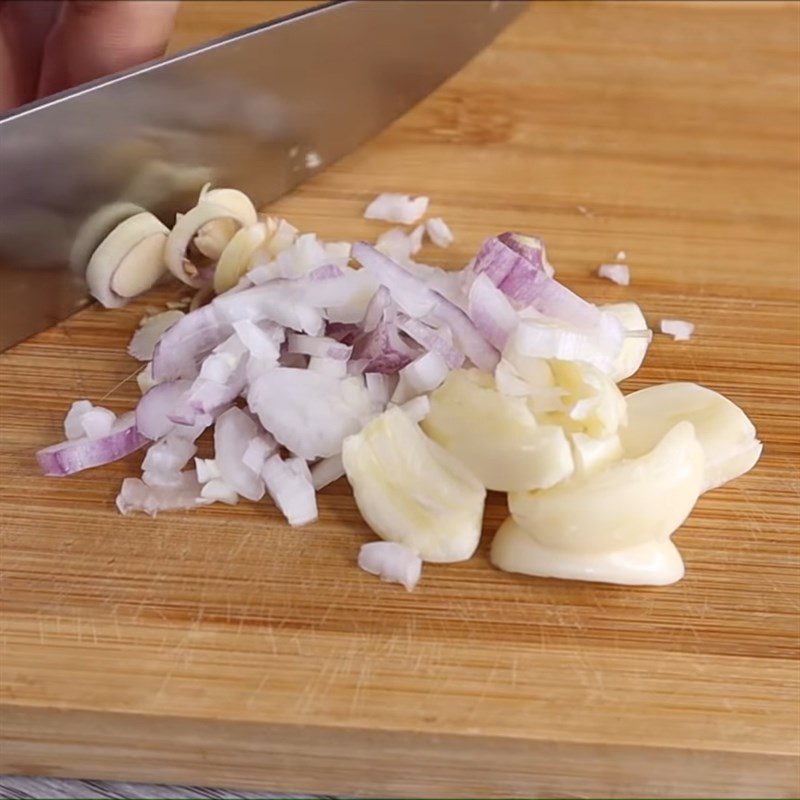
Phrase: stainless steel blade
x=260 y=110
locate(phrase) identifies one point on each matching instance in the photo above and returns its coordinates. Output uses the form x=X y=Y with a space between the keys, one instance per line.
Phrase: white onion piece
x=417 y=408
x=420 y=377
x=216 y=490
x=128 y=261
x=144 y=340
x=310 y=413
x=233 y=432
x=397 y=208
x=380 y=387
x=144 y=378
x=98 y=422
x=326 y=471
x=258 y=450
x=616 y=273
x=236 y=258
x=155 y=406
x=185 y=229
x=338 y=252
x=396 y=244
x=75 y=455
x=392 y=562
x=179 y=350
x=72 y=422
x=165 y=459
x=280 y=301
x=417 y=300
x=491 y=311
x=439 y=232
x=206 y=469
x=262 y=341
x=678 y=329
x=284 y=237
x=302 y=257
x=415 y=239
x=320 y=346
x=377 y=309
x=136 y=495
x=334 y=367
x=432 y=340
x=290 y=486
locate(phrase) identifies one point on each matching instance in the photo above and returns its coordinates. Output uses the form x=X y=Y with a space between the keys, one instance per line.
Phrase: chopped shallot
x=439 y=232
x=678 y=329
x=392 y=562
x=397 y=208
x=616 y=273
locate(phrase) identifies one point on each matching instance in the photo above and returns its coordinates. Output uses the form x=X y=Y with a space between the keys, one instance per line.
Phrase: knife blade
x=260 y=110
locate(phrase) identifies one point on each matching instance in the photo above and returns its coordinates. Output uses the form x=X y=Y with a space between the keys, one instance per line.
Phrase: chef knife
x=261 y=110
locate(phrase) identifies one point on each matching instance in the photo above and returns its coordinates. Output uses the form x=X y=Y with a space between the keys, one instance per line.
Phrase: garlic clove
x=624 y=504
x=496 y=436
x=726 y=435
x=214 y=236
x=653 y=563
x=412 y=491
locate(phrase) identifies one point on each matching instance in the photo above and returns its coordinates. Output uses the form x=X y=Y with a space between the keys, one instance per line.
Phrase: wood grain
x=222 y=647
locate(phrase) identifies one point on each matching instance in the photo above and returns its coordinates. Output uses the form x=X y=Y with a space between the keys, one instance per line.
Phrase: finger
x=23 y=30
x=93 y=38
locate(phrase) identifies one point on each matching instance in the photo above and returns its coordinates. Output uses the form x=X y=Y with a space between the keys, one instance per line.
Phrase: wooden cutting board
x=223 y=647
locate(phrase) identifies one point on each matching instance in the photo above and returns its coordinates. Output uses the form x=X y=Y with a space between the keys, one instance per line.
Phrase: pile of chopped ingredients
x=426 y=388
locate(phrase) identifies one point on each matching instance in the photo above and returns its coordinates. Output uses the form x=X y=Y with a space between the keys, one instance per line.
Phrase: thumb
x=94 y=38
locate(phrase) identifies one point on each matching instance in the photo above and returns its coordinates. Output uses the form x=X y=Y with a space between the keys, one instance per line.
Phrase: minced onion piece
x=678 y=329
x=290 y=485
x=320 y=346
x=72 y=421
x=206 y=469
x=136 y=495
x=616 y=273
x=216 y=490
x=234 y=430
x=128 y=261
x=153 y=410
x=98 y=422
x=439 y=232
x=144 y=340
x=420 y=377
x=491 y=311
x=392 y=562
x=397 y=208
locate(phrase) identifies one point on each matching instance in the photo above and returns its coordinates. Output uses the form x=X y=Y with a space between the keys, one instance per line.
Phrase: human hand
x=50 y=45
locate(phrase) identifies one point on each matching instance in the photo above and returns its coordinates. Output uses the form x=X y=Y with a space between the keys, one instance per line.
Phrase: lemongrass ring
x=237 y=255
x=95 y=228
x=214 y=236
x=185 y=229
x=128 y=261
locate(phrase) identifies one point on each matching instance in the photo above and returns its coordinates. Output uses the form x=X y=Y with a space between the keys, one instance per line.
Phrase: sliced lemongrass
x=128 y=261
x=237 y=255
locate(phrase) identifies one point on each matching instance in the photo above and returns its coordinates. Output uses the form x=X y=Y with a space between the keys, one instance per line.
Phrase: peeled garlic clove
x=236 y=257
x=128 y=261
x=727 y=436
x=186 y=227
x=410 y=490
x=590 y=454
x=654 y=563
x=496 y=436
x=592 y=403
x=212 y=238
x=624 y=504
x=637 y=339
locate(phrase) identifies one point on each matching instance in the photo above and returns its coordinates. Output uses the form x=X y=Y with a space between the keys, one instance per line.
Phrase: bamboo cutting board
x=222 y=647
